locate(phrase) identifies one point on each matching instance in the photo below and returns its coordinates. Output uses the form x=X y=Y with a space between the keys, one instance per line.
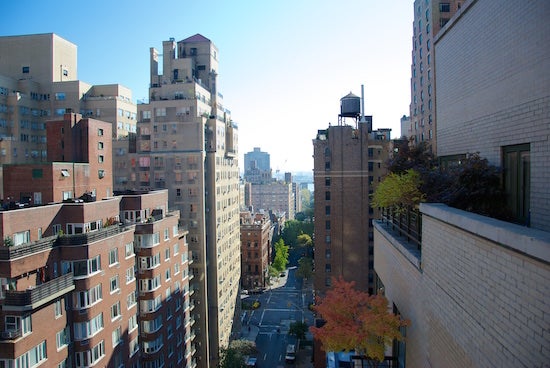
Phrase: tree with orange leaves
x=356 y=321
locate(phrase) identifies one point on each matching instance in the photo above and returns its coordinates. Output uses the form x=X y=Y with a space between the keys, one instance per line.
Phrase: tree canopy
x=234 y=355
x=281 y=255
x=294 y=228
x=356 y=321
x=298 y=329
x=305 y=267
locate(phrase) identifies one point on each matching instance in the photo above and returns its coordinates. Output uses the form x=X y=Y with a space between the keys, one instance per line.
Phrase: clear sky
x=284 y=64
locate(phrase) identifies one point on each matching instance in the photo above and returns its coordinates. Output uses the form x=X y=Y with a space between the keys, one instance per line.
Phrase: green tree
x=305 y=267
x=397 y=190
x=233 y=356
x=281 y=255
x=305 y=240
x=295 y=228
x=298 y=329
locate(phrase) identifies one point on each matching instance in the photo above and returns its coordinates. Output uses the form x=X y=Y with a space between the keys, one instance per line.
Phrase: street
x=286 y=302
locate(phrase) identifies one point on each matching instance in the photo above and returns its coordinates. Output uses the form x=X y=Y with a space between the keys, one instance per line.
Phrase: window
x=22 y=237
x=161 y=111
x=100 y=145
x=90 y=357
x=150 y=347
x=130 y=275
x=327 y=195
x=26 y=69
x=58 y=310
x=87 y=298
x=62 y=338
x=444 y=7
x=327 y=210
x=101 y=174
x=37 y=173
x=517 y=180
x=82 y=268
x=114 y=284
x=115 y=311
x=167 y=253
x=134 y=346
x=152 y=325
x=18 y=323
x=129 y=250
x=132 y=323
x=32 y=357
x=60 y=96
x=131 y=300
x=327 y=225
x=166 y=234
x=146 y=285
x=117 y=336
x=100 y=132
x=327 y=253
x=167 y=274
x=100 y=159
x=146 y=263
x=87 y=329
x=113 y=256
x=327 y=182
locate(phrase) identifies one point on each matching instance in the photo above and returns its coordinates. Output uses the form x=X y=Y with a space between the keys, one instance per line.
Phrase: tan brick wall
x=493 y=88
x=476 y=301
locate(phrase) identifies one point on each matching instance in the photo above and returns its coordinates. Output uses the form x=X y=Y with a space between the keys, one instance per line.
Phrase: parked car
x=290 y=356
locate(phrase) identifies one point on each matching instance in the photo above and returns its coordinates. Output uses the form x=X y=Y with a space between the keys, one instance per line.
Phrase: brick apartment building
x=38 y=83
x=256 y=235
x=475 y=288
x=92 y=280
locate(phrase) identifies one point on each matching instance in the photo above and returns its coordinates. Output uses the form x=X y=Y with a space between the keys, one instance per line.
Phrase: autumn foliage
x=356 y=321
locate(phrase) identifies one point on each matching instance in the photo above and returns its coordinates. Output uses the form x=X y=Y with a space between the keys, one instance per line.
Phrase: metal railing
x=86 y=238
x=407 y=222
x=17 y=251
x=38 y=293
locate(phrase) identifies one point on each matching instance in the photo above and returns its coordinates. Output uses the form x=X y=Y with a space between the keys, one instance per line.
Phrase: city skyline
x=283 y=65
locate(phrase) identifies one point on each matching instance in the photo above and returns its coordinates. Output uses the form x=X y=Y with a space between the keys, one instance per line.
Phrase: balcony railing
x=17 y=251
x=86 y=238
x=39 y=295
x=406 y=222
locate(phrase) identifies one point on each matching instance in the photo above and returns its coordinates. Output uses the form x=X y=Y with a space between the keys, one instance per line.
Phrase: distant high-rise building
x=186 y=142
x=429 y=17
x=257 y=169
x=38 y=82
x=405 y=126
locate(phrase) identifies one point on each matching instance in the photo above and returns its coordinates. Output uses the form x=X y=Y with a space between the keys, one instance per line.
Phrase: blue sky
x=284 y=64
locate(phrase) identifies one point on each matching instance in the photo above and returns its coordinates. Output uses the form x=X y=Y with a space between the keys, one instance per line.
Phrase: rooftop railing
x=407 y=222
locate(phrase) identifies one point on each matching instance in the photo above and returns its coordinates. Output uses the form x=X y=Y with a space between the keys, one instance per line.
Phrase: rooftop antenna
x=363 y=120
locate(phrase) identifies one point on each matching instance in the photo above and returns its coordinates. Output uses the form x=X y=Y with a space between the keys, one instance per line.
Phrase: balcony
x=86 y=238
x=31 y=299
x=23 y=250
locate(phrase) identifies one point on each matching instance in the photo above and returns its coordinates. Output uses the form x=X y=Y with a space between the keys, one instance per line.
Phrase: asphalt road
x=285 y=303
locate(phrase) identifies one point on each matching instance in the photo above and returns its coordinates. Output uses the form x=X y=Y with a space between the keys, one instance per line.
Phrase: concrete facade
x=276 y=196
x=187 y=143
x=39 y=82
x=476 y=294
